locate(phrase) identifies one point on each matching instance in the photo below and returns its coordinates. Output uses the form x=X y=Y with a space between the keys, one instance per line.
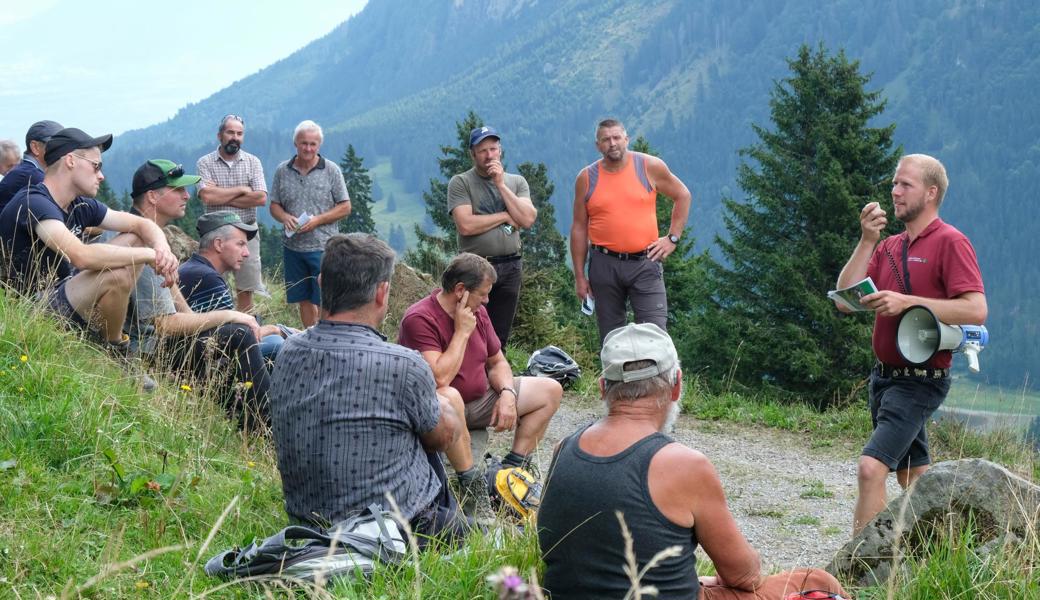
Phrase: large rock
x=1001 y=505
x=181 y=244
x=407 y=287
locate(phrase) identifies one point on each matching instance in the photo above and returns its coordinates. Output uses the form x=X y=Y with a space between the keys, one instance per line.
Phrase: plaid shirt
x=244 y=169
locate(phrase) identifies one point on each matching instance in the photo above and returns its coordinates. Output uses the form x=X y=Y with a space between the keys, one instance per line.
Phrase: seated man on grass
x=223 y=246
x=451 y=329
x=667 y=493
x=356 y=418
x=219 y=346
x=87 y=285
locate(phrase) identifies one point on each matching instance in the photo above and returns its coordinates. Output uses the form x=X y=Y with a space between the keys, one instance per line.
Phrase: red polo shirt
x=426 y=326
x=942 y=264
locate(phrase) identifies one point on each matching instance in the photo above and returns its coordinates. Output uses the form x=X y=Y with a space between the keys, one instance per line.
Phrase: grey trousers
x=616 y=282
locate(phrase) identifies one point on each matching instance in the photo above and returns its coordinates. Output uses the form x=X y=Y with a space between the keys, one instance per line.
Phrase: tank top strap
x=639 y=161
x=593 y=173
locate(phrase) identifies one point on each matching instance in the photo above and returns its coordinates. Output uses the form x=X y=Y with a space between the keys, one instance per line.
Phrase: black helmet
x=555 y=364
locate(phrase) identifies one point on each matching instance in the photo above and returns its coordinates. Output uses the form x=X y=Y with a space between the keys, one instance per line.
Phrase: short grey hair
x=220 y=233
x=308 y=125
x=10 y=149
x=657 y=387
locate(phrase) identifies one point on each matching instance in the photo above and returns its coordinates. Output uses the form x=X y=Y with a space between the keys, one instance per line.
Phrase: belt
x=890 y=371
x=619 y=255
x=504 y=258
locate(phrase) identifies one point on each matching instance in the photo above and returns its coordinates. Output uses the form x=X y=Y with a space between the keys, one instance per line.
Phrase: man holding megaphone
x=930 y=264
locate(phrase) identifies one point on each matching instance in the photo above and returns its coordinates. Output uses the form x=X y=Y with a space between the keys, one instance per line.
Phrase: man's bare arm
x=580 y=236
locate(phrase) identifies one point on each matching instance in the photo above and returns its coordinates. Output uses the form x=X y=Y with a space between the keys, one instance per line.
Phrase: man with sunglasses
x=170 y=333
x=930 y=264
x=89 y=285
x=233 y=179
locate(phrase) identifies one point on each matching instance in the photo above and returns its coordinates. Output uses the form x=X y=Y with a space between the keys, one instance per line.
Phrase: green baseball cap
x=158 y=173
x=217 y=219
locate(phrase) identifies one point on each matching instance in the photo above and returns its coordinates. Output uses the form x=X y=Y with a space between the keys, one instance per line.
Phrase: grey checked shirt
x=347 y=410
x=244 y=169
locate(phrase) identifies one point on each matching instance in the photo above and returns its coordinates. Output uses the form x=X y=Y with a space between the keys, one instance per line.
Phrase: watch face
x=673 y=238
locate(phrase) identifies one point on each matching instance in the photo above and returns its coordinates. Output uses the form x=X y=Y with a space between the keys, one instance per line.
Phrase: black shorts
x=58 y=303
x=899 y=410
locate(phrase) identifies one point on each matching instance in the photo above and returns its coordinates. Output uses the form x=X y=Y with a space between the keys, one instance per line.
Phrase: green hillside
x=960 y=80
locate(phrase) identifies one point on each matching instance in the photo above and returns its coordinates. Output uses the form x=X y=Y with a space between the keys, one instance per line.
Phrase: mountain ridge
x=691 y=77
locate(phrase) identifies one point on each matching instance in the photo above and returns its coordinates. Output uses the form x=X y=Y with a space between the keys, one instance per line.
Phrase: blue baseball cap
x=481 y=133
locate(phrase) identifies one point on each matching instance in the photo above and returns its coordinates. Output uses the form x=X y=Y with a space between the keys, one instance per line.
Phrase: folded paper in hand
x=300 y=222
x=849 y=297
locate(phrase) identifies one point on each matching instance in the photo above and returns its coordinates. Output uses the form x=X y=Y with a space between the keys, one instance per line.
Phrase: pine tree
x=768 y=322
x=544 y=247
x=683 y=271
x=434 y=250
x=391 y=203
x=359 y=187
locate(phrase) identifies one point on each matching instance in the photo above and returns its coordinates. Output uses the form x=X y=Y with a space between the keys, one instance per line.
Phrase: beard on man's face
x=232 y=148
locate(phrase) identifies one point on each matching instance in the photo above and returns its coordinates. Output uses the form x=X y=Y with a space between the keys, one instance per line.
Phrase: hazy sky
x=109 y=66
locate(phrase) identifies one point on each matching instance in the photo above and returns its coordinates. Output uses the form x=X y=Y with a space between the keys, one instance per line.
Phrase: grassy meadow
x=110 y=492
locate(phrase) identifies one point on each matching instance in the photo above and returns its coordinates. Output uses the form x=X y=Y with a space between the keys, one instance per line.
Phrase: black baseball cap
x=42 y=131
x=158 y=173
x=71 y=139
x=215 y=220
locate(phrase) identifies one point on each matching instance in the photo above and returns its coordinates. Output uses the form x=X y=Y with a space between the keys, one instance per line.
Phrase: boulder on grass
x=998 y=504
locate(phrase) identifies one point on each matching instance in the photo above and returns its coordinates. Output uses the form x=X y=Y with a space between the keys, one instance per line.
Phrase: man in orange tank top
x=615 y=220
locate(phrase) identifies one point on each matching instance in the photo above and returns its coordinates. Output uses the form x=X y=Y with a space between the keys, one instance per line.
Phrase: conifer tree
x=434 y=249
x=768 y=322
x=683 y=271
x=359 y=187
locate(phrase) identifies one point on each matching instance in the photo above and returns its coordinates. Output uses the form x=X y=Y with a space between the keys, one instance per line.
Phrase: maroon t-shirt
x=426 y=326
x=942 y=264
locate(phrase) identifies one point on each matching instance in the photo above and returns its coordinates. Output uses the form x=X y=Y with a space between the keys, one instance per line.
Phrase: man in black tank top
x=669 y=496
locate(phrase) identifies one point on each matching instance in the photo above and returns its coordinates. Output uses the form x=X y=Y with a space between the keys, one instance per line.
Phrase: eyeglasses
x=97 y=163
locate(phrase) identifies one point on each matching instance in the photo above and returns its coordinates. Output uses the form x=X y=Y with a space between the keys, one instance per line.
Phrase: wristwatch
x=673 y=238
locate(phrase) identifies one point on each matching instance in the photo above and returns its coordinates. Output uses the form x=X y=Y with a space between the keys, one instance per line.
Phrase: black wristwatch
x=673 y=238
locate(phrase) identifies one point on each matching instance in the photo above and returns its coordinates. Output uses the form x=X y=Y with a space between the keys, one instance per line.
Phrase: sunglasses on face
x=97 y=163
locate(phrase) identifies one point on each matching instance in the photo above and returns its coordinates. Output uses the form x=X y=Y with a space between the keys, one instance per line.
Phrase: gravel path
x=792 y=502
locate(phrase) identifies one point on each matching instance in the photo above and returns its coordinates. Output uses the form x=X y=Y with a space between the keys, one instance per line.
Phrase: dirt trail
x=793 y=502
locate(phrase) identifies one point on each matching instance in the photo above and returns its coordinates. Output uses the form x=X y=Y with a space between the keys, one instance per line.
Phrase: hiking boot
x=476 y=502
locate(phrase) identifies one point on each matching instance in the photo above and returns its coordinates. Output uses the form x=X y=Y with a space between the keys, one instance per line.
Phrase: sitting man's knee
x=454 y=398
x=237 y=335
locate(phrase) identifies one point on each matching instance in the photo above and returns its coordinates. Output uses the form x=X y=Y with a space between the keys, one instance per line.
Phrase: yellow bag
x=520 y=490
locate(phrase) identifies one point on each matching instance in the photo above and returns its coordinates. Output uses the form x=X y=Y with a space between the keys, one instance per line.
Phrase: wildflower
x=250 y=464
x=141 y=585
x=185 y=387
x=153 y=486
x=23 y=358
x=247 y=385
x=21 y=389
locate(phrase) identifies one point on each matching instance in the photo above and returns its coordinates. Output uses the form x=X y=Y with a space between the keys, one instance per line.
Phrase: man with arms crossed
x=615 y=218
x=451 y=329
x=169 y=332
x=355 y=417
x=233 y=179
x=307 y=184
x=930 y=264
x=41 y=228
x=668 y=494
x=490 y=207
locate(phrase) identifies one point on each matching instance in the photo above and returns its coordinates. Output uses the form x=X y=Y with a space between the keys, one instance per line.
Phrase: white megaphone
x=921 y=335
